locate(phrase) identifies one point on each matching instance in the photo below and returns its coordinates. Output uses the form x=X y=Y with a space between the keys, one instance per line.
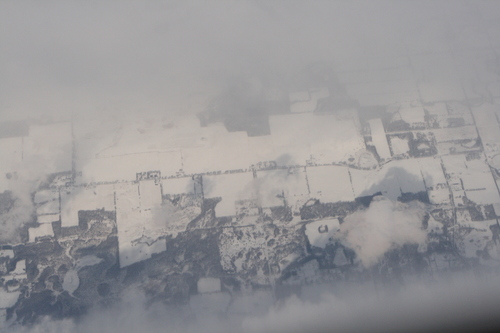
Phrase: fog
x=460 y=304
x=60 y=58
x=119 y=69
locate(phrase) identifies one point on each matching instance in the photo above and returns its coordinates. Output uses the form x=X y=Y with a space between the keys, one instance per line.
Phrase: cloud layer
x=460 y=303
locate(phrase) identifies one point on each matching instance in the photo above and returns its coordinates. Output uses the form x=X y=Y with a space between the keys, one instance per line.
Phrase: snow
x=209 y=285
x=183 y=185
x=125 y=167
x=85 y=198
x=7 y=253
x=19 y=272
x=229 y=187
x=230 y=247
x=191 y=149
x=8 y=299
x=320 y=232
x=150 y=194
x=399 y=146
x=300 y=137
x=71 y=281
x=496 y=207
x=490 y=136
x=223 y=151
x=89 y=260
x=474 y=177
x=438 y=109
x=439 y=196
x=434 y=227
x=20 y=268
x=330 y=183
x=46 y=195
x=273 y=184
x=432 y=171
x=379 y=139
x=42 y=230
x=455 y=133
x=412 y=115
x=488 y=127
x=50 y=207
x=366 y=160
x=495 y=162
x=477 y=238
x=136 y=241
x=485 y=115
x=48 y=218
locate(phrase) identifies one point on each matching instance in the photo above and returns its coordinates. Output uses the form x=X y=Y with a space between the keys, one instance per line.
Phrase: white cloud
x=19 y=213
x=383 y=226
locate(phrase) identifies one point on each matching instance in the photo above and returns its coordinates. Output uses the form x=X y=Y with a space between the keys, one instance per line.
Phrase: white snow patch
x=85 y=198
x=7 y=253
x=71 y=281
x=379 y=139
x=275 y=186
x=44 y=229
x=136 y=241
x=150 y=194
x=20 y=268
x=50 y=207
x=319 y=233
x=399 y=146
x=8 y=299
x=46 y=195
x=182 y=185
x=89 y=260
x=231 y=188
x=330 y=183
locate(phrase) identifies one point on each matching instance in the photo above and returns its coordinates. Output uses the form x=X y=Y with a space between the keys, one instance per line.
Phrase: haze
x=340 y=136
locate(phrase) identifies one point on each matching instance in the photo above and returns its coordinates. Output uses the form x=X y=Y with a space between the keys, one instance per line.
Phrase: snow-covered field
x=330 y=183
x=138 y=231
x=85 y=198
x=320 y=233
x=379 y=139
